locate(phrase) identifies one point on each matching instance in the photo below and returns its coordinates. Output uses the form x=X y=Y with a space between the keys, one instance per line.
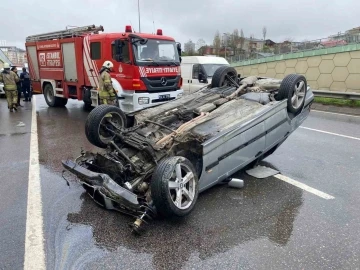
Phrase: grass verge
x=338 y=102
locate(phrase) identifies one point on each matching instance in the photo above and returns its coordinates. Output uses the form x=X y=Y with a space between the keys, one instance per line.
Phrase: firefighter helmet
x=108 y=64
x=6 y=65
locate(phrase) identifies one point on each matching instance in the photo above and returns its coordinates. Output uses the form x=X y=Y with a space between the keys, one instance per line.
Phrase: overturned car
x=156 y=161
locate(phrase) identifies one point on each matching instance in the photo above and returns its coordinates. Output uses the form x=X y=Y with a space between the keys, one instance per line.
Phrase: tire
x=93 y=130
x=290 y=89
x=87 y=106
x=61 y=102
x=219 y=77
x=50 y=98
x=163 y=196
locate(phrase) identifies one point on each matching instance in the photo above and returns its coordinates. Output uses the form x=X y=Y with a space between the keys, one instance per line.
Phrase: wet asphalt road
x=14 y=169
x=269 y=224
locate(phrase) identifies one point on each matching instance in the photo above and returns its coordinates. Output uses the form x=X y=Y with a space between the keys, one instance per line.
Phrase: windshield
x=156 y=51
x=211 y=68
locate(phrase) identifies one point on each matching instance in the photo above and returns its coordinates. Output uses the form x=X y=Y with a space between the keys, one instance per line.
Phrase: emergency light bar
x=159 y=32
x=128 y=29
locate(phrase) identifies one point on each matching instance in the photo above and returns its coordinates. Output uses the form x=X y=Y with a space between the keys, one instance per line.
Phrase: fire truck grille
x=160 y=84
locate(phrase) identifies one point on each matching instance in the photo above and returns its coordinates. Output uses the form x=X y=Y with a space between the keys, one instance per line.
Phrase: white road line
x=34 y=240
x=304 y=187
x=331 y=133
x=342 y=114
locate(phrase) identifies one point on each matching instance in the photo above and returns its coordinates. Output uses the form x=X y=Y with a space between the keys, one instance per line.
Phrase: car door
x=241 y=149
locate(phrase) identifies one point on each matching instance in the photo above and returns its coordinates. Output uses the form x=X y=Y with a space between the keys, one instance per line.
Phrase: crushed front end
x=118 y=177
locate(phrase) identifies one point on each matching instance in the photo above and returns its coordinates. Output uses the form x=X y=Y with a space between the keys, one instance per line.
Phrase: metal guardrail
x=332 y=94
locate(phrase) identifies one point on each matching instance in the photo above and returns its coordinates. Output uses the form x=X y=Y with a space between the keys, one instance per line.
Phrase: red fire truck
x=65 y=65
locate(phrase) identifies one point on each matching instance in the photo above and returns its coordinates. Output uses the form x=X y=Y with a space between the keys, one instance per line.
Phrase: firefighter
x=153 y=51
x=25 y=83
x=10 y=80
x=106 y=90
x=18 y=85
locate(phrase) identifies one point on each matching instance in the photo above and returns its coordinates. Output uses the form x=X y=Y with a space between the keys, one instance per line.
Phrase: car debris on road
x=158 y=164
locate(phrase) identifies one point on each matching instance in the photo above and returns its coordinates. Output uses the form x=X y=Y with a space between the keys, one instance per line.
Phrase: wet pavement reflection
x=223 y=218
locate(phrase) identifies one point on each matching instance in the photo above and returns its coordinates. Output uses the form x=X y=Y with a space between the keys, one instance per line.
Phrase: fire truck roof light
x=159 y=32
x=128 y=29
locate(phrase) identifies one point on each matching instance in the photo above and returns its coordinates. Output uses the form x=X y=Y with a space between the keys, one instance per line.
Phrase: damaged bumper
x=104 y=190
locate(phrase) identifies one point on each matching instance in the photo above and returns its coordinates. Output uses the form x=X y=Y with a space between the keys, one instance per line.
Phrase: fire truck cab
x=65 y=65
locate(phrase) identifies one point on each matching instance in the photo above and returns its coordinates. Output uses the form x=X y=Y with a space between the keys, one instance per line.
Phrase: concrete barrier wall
x=335 y=69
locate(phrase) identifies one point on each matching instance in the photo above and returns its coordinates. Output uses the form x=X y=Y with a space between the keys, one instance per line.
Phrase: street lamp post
x=139 y=14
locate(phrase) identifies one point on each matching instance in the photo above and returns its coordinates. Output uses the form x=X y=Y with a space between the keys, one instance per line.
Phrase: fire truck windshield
x=158 y=51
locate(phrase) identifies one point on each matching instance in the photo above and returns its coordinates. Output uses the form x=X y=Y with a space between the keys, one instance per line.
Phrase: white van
x=197 y=71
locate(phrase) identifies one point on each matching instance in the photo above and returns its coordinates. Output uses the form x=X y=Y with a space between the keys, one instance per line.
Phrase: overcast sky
x=183 y=19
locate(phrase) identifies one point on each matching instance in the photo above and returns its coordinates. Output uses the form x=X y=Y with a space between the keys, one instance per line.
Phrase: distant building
x=207 y=50
x=350 y=36
x=189 y=47
x=4 y=59
x=332 y=43
x=14 y=54
x=253 y=44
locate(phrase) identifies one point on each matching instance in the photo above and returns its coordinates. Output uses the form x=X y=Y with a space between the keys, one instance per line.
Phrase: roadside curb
x=335 y=109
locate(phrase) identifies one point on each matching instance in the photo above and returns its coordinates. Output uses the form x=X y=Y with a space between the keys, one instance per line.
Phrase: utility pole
x=139 y=14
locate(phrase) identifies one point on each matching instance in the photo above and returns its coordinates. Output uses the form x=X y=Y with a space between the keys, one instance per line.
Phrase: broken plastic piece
x=236 y=183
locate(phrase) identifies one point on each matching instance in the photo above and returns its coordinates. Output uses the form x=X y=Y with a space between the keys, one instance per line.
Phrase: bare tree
x=189 y=48
x=242 y=39
x=217 y=42
x=234 y=41
x=200 y=46
x=264 y=31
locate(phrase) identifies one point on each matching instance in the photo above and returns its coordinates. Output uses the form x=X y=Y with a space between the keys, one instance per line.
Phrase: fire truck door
x=90 y=59
x=123 y=69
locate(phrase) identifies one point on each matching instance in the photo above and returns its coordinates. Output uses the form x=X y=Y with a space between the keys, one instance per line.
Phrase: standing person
x=18 y=86
x=10 y=79
x=25 y=84
x=107 y=92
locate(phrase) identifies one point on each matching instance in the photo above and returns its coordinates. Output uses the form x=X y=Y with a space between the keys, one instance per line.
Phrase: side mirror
x=202 y=78
x=118 y=50
x=178 y=46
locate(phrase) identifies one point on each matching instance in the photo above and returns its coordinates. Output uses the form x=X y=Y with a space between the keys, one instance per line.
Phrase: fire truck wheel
x=87 y=106
x=101 y=121
x=51 y=99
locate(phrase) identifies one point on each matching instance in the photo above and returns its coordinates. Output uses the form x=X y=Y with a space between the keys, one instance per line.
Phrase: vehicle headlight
x=143 y=100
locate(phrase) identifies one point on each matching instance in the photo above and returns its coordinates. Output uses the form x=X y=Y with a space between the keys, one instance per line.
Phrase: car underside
x=154 y=165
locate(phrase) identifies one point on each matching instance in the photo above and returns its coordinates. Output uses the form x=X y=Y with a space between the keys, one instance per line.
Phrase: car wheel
x=224 y=76
x=174 y=187
x=101 y=119
x=293 y=88
x=51 y=99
